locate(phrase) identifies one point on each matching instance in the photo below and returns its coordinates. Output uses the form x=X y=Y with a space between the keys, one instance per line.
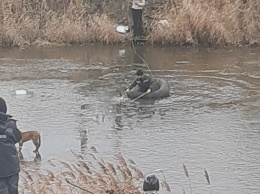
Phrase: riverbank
x=179 y=22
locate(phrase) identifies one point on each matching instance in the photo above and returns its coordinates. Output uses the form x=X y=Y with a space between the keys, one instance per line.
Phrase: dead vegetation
x=211 y=22
x=45 y=22
x=96 y=176
x=88 y=174
x=200 y=22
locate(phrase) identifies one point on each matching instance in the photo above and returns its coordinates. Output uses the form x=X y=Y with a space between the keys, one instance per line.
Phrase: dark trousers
x=144 y=87
x=138 y=22
x=9 y=185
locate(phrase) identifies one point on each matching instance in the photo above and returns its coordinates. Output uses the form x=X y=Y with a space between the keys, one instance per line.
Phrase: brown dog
x=31 y=135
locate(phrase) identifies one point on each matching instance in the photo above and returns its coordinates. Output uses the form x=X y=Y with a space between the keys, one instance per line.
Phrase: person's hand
x=148 y=91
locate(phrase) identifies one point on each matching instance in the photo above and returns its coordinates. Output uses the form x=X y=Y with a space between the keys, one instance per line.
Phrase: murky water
x=211 y=121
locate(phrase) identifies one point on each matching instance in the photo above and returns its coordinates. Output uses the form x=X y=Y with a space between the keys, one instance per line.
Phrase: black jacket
x=9 y=136
x=144 y=82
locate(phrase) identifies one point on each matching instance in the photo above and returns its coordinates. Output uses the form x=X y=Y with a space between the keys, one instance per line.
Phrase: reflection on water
x=211 y=120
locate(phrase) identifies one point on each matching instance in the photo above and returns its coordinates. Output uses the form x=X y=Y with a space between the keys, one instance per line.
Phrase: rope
x=132 y=41
x=142 y=95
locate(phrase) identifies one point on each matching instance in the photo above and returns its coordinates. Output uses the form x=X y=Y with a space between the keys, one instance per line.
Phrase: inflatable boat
x=160 y=89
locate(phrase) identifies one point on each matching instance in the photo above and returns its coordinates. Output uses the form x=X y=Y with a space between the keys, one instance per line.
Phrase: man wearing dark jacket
x=9 y=161
x=144 y=82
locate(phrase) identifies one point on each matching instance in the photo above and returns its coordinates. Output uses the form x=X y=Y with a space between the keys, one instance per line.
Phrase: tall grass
x=207 y=22
x=196 y=22
x=88 y=174
x=41 y=22
x=83 y=176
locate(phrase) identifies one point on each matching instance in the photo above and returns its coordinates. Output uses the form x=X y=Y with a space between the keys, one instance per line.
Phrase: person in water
x=144 y=82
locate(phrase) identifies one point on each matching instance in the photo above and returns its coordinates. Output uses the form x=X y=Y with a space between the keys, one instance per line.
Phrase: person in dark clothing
x=151 y=183
x=144 y=82
x=137 y=14
x=9 y=160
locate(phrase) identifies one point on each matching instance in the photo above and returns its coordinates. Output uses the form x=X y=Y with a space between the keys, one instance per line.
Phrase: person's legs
x=12 y=183
x=137 y=22
x=3 y=186
x=140 y=23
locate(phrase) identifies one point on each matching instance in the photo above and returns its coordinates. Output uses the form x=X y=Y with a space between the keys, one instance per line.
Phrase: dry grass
x=211 y=22
x=96 y=177
x=88 y=174
x=186 y=172
x=80 y=177
x=207 y=176
x=34 y=22
x=200 y=22
x=187 y=175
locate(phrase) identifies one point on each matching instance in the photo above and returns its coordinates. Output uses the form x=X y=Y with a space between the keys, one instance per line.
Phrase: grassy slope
x=200 y=22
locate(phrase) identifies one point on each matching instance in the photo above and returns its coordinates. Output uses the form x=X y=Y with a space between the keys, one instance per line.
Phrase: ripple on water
x=211 y=120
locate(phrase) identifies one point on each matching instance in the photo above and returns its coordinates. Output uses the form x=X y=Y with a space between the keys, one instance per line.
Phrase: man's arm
x=13 y=132
x=133 y=84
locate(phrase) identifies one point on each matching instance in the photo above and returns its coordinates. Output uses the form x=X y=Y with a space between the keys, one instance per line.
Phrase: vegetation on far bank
x=200 y=22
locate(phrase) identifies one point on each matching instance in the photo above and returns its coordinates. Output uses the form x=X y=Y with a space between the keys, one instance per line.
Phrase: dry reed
x=87 y=175
x=94 y=176
x=186 y=171
x=207 y=176
x=101 y=177
x=187 y=175
x=200 y=22
x=210 y=22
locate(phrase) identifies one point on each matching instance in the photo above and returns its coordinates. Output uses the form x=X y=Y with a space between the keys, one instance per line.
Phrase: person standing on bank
x=137 y=14
x=9 y=161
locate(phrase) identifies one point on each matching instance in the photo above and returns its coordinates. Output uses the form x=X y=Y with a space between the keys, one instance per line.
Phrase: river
x=211 y=120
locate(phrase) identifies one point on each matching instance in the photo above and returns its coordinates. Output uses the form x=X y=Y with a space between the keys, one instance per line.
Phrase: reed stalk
x=187 y=175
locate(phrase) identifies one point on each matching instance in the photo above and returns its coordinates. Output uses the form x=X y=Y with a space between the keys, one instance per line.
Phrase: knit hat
x=139 y=72
x=3 y=107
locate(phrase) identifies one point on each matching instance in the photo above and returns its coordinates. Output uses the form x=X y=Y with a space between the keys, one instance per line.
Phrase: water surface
x=211 y=120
